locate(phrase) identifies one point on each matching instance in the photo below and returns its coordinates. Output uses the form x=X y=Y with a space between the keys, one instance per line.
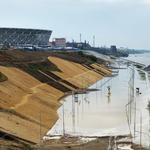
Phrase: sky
x=124 y=23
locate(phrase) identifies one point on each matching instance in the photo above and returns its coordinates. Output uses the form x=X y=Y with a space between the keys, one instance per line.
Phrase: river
x=140 y=58
x=94 y=114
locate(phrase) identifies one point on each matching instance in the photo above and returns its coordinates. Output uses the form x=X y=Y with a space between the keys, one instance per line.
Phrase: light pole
x=131 y=86
x=63 y=118
x=140 y=125
x=82 y=83
x=42 y=109
x=128 y=117
x=149 y=139
x=148 y=136
x=73 y=111
x=7 y=135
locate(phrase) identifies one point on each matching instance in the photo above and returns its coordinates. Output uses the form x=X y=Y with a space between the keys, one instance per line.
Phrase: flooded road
x=97 y=114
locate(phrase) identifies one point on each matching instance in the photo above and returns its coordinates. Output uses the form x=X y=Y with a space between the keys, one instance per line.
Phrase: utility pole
x=80 y=37
x=63 y=119
x=42 y=109
x=93 y=40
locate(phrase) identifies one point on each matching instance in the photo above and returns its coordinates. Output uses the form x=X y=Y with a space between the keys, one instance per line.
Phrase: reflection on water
x=98 y=114
x=96 y=110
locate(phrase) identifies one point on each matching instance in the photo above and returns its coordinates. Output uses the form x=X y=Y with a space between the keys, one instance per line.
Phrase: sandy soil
x=24 y=98
x=77 y=74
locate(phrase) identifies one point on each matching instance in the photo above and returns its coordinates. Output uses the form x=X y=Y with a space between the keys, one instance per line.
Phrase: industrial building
x=113 y=49
x=59 y=42
x=78 y=44
x=20 y=36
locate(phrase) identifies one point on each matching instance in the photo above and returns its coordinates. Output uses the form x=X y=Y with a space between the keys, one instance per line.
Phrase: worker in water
x=109 y=87
x=109 y=93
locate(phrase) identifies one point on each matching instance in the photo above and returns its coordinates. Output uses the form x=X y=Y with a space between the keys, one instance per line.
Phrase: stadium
x=20 y=36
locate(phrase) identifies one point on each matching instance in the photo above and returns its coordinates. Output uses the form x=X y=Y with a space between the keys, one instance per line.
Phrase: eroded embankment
x=25 y=97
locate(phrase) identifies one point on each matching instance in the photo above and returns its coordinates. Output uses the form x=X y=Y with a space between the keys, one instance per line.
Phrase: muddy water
x=140 y=58
x=94 y=114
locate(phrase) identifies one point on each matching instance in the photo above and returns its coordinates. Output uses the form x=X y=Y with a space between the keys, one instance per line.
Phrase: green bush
x=80 y=53
x=3 y=77
x=93 y=58
x=28 y=146
x=138 y=66
x=112 y=57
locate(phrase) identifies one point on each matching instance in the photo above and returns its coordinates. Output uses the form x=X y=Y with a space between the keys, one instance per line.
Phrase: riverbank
x=39 y=92
x=89 y=143
x=123 y=144
x=37 y=81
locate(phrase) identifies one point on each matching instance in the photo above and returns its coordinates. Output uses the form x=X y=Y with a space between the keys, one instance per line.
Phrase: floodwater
x=94 y=114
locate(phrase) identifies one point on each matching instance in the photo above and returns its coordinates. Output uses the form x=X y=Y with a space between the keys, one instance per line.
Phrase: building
x=20 y=36
x=78 y=44
x=113 y=49
x=123 y=49
x=59 y=42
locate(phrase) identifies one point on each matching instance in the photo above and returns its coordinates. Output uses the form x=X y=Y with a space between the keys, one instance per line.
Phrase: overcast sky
x=124 y=23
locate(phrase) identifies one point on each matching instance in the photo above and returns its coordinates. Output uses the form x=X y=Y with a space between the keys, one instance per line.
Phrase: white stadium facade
x=21 y=36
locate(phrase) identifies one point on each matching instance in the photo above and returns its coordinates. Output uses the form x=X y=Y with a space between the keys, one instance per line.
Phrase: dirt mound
x=4 y=57
x=37 y=56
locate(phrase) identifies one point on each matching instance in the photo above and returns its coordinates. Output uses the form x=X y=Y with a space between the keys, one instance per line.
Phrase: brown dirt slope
x=36 y=82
